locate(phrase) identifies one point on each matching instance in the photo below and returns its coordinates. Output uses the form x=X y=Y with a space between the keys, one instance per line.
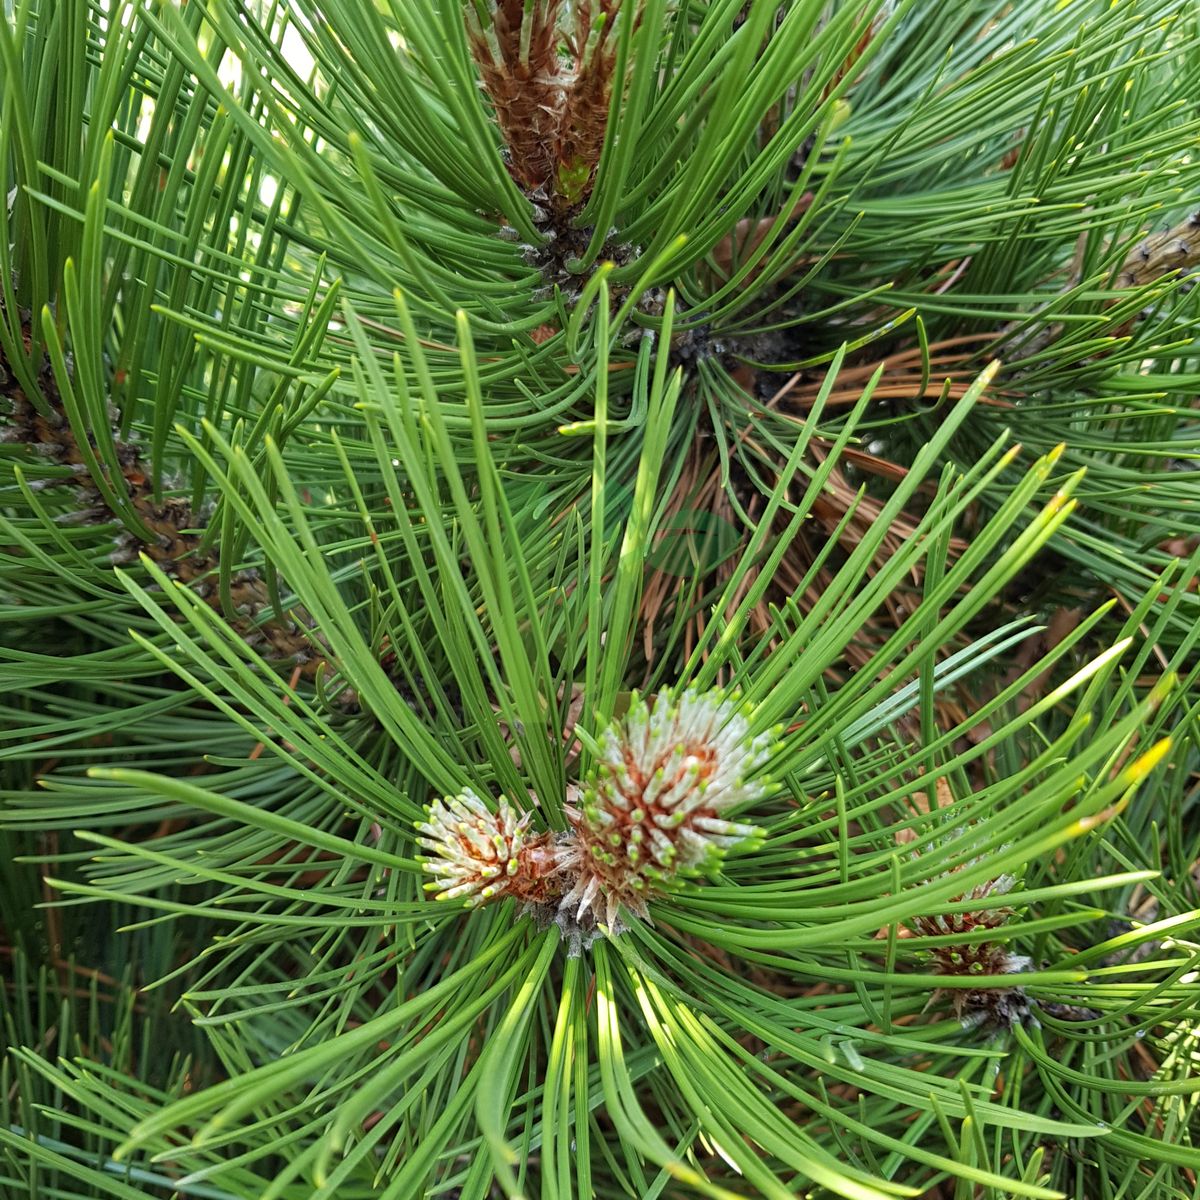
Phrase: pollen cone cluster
x=480 y=855
x=975 y=1006
x=648 y=815
x=652 y=810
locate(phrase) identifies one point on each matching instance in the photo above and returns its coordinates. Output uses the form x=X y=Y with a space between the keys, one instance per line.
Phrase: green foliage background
x=950 y=443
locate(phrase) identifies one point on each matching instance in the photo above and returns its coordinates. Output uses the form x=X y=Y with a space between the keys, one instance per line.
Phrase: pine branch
x=178 y=542
x=517 y=53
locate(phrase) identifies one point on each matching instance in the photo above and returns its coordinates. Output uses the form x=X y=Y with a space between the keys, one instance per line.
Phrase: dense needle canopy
x=706 y=487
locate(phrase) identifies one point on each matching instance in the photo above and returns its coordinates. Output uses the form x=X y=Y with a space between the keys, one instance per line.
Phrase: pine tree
x=599 y=599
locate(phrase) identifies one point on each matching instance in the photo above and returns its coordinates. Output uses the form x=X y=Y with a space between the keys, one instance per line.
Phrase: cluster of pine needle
x=600 y=599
